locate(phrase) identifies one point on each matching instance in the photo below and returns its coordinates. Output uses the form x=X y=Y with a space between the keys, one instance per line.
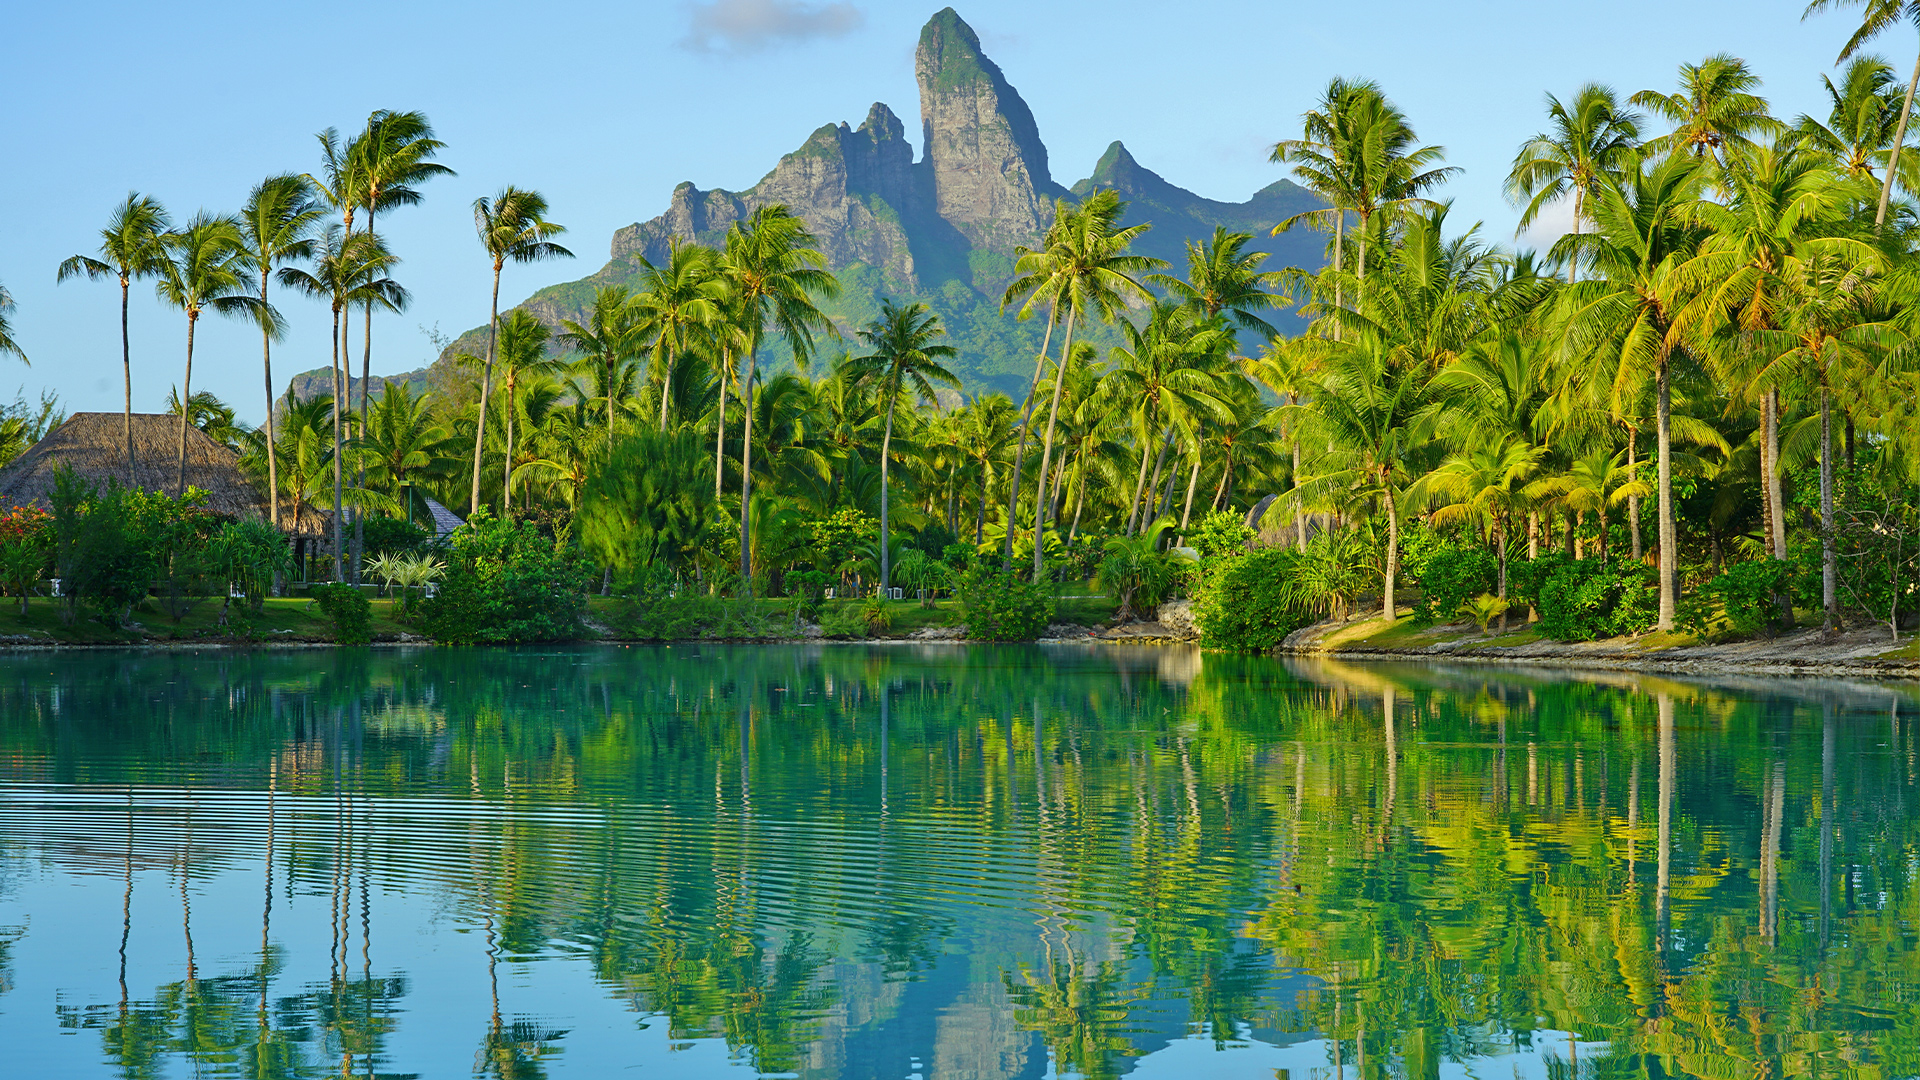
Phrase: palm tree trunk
x=186 y=408
x=1079 y=501
x=1020 y=456
x=746 y=475
x=1139 y=487
x=486 y=389
x=1042 y=505
x=360 y=467
x=1389 y=608
x=720 y=432
x=1829 y=597
x=126 y=368
x=273 y=465
x=506 y=467
x=1299 y=512
x=986 y=496
x=1775 y=496
x=666 y=380
x=339 y=567
x=1633 y=501
x=1669 y=534
x=1193 y=481
x=886 y=452
x=1147 y=514
x=1893 y=155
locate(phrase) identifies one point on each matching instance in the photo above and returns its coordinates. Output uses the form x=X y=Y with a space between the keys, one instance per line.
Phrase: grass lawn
x=282 y=619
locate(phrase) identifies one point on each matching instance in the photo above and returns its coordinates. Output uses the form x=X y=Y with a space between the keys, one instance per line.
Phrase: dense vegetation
x=1712 y=370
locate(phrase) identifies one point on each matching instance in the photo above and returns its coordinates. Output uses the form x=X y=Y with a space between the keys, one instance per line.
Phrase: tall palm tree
x=1714 y=112
x=1864 y=110
x=522 y=354
x=1623 y=319
x=277 y=225
x=513 y=227
x=207 y=269
x=1587 y=138
x=347 y=270
x=130 y=249
x=403 y=439
x=1224 y=277
x=905 y=353
x=989 y=426
x=7 y=343
x=773 y=273
x=1878 y=17
x=609 y=342
x=1165 y=374
x=1087 y=266
x=676 y=298
x=1359 y=154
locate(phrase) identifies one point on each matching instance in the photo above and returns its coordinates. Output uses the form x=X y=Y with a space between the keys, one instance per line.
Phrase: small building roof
x=94 y=445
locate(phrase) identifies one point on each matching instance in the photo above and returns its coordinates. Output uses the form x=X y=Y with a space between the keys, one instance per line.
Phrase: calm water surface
x=946 y=862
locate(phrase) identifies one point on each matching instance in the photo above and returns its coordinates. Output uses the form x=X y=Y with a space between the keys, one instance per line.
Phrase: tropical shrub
x=1483 y=609
x=1748 y=596
x=393 y=536
x=1585 y=599
x=650 y=503
x=348 y=612
x=1001 y=606
x=505 y=582
x=250 y=555
x=1221 y=533
x=1251 y=602
x=1137 y=573
x=26 y=543
x=876 y=618
x=112 y=545
x=843 y=621
x=1450 y=578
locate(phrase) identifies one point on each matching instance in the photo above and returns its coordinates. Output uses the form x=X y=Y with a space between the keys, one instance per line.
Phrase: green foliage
x=348 y=611
x=1483 y=609
x=1585 y=599
x=650 y=503
x=111 y=545
x=250 y=555
x=875 y=616
x=1002 y=606
x=396 y=536
x=842 y=538
x=921 y=575
x=958 y=555
x=843 y=621
x=506 y=583
x=1336 y=568
x=26 y=543
x=1251 y=602
x=1450 y=577
x=1221 y=533
x=1747 y=595
x=1135 y=572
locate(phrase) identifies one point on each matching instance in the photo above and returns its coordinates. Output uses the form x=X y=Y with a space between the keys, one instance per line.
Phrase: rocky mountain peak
x=985 y=166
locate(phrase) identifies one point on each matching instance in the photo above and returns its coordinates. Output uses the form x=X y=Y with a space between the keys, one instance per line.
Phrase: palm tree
x=522 y=352
x=905 y=353
x=1086 y=265
x=1222 y=276
x=609 y=342
x=1590 y=137
x=513 y=226
x=1593 y=482
x=1714 y=112
x=130 y=249
x=677 y=298
x=1165 y=375
x=277 y=225
x=1359 y=154
x=347 y=269
x=1623 y=319
x=207 y=269
x=402 y=439
x=1879 y=16
x=1487 y=481
x=1864 y=112
x=989 y=426
x=7 y=343
x=773 y=273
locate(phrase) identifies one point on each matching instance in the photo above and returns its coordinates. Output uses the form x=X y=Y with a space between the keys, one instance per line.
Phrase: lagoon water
x=946 y=861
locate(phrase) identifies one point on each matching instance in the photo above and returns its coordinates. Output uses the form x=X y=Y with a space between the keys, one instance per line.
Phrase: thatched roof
x=94 y=445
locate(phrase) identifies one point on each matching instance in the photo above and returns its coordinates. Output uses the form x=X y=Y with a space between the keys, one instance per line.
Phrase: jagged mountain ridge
x=942 y=229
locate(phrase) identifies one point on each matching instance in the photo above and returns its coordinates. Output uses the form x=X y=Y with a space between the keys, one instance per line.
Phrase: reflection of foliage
x=1081 y=1010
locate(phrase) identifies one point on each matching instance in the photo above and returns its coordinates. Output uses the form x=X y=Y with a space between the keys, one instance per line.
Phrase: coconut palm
x=773 y=273
x=7 y=344
x=1222 y=276
x=347 y=269
x=1714 y=112
x=130 y=249
x=207 y=269
x=1166 y=373
x=609 y=342
x=1588 y=137
x=1622 y=320
x=1592 y=483
x=522 y=355
x=277 y=226
x=1878 y=17
x=1861 y=120
x=1085 y=266
x=1487 y=483
x=402 y=440
x=989 y=426
x=513 y=227
x=905 y=354
x=676 y=298
x=392 y=156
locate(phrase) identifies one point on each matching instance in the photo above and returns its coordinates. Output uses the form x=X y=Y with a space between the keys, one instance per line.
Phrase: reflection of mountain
x=740 y=850
x=941 y=229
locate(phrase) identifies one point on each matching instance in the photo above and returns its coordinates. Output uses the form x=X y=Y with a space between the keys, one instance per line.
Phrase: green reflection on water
x=841 y=859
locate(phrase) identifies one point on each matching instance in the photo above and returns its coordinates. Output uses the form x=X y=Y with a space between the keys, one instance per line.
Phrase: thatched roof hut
x=94 y=445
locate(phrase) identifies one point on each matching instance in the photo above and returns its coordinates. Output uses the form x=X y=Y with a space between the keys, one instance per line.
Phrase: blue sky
x=604 y=107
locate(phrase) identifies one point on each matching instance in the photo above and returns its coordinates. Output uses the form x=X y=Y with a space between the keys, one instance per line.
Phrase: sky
x=604 y=107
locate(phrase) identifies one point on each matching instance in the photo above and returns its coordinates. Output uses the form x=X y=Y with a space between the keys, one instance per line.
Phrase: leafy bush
x=111 y=545
x=958 y=555
x=874 y=615
x=249 y=555
x=348 y=610
x=843 y=621
x=1587 y=599
x=393 y=536
x=1000 y=606
x=1747 y=594
x=1483 y=609
x=1249 y=603
x=1451 y=578
x=505 y=583
x=26 y=543
x=650 y=503
x=1221 y=533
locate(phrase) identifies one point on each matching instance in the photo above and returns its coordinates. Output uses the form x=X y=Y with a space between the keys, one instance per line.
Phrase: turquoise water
x=946 y=861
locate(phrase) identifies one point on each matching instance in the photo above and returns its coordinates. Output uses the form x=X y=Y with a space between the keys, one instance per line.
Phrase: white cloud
x=741 y=26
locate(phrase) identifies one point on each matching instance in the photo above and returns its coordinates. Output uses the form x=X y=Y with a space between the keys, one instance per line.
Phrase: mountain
x=942 y=229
